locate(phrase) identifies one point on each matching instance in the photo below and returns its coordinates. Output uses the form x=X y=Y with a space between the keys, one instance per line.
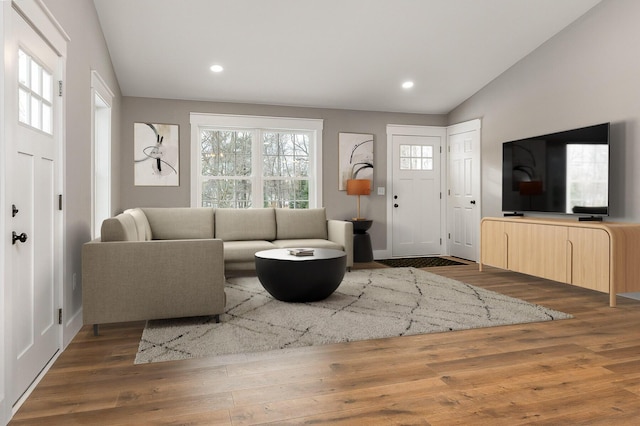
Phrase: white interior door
x=464 y=189
x=33 y=139
x=415 y=196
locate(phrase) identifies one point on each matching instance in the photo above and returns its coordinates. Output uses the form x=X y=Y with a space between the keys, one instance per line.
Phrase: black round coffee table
x=300 y=278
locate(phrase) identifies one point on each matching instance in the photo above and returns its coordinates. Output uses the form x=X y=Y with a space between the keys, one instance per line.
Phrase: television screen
x=565 y=172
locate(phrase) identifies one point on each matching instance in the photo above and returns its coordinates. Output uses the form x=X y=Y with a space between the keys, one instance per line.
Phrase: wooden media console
x=594 y=255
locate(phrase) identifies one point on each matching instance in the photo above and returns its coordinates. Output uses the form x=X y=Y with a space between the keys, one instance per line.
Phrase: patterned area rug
x=369 y=304
x=418 y=262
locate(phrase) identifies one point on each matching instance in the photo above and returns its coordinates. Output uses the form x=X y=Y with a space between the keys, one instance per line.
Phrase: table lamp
x=358 y=187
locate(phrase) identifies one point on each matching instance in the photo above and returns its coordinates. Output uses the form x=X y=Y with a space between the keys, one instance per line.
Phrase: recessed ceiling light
x=216 y=68
x=407 y=85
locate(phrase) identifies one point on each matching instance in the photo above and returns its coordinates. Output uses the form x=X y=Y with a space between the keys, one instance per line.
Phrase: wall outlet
x=381 y=190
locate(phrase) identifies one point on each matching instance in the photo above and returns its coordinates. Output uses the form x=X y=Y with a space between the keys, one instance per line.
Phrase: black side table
x=362 y=250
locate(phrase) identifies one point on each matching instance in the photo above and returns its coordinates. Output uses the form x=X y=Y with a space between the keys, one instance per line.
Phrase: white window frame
x=201 y=121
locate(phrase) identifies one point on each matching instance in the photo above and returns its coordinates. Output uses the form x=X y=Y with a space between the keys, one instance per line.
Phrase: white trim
x=315 y=126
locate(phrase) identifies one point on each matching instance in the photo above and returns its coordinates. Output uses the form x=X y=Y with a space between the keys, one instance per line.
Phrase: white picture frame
x=156 y=154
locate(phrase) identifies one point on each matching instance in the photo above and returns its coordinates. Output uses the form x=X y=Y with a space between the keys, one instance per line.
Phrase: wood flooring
x=584 y=370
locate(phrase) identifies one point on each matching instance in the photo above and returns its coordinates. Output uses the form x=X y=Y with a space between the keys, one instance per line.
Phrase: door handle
x=22 y=237
x=472 y=201
x=395 y=205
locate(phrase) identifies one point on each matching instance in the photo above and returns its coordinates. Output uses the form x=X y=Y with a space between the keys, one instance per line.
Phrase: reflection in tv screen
x=565 y=172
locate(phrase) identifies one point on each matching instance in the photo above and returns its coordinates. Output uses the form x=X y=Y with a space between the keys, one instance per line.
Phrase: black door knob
x=395 y=205
x=473 y=201
x=22 y=237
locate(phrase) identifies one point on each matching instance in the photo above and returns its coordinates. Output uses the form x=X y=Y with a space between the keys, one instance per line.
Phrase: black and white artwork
x=156 y=154
x=355 y=158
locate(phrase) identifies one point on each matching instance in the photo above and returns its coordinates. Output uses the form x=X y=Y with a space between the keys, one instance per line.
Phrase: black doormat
x=418 y=262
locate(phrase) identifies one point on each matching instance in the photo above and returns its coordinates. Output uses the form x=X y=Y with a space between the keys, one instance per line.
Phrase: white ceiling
x=346 y=54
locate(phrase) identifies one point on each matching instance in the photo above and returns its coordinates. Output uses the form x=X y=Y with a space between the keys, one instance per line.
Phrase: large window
x=245 y=161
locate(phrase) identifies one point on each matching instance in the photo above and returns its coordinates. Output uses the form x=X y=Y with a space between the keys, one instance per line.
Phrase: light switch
x=381 y=190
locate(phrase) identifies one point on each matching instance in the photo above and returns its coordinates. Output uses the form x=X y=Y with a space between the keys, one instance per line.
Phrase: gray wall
x=588 y=74
x=338 y=204
x=86 y=51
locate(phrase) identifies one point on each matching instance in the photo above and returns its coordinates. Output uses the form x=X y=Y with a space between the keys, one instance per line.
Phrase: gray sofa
x=152 y=263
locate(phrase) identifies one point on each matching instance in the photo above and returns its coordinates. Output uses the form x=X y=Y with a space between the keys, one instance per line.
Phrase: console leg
x=95 y=329
x=216 y=318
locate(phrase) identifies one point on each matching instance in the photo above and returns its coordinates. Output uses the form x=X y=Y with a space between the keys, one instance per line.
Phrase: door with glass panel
x=33 y=184
x=416 y=212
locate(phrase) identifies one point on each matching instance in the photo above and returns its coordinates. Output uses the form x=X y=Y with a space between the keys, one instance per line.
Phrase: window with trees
x=246 y=161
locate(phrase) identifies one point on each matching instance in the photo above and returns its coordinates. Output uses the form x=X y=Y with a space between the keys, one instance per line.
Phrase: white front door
x=464 y=189
x=33 y=137
x=415 y=194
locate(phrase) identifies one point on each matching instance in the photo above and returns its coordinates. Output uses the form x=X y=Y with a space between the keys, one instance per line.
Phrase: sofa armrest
x=341 y=232
x=139 y=280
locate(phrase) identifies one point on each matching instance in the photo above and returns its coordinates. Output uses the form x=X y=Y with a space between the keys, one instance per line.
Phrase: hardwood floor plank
x=584 y=370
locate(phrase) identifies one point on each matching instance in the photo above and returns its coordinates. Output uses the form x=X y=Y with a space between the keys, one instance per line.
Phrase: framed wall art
x=156 y=154
x=355 y=151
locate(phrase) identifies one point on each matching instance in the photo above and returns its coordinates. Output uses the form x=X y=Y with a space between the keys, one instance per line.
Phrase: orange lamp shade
x=358 y=187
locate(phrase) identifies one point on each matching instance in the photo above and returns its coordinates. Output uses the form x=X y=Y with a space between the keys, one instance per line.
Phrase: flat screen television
x=565 y=172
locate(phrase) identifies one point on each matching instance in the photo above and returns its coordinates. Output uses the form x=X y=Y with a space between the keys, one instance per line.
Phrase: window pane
x=293 y=194
x=405 y=151
x=405 y=164
x=23 y=106
x=285 y=154
x=46 y=118
x=35 y=113
x=36 y=82
x=47 y=87
x=226 y=153
x=23 y=68
x=226 y=193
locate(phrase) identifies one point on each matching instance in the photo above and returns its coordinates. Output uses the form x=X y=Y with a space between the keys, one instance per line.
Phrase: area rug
x=369 y=304
x=418 y=262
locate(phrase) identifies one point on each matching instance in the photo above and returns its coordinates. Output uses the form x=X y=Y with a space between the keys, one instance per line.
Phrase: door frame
x=410 y=130
x=38 y=16
x=400 y=129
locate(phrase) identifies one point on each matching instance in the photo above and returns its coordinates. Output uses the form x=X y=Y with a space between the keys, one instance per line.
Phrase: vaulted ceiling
x=346 y=54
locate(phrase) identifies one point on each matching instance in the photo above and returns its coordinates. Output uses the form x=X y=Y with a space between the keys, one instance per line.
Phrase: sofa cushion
x=119 y=228
x=180 y=223
x=240 y=251
x=301 y=223
x=142 y=224
x=307 y=242
x=245 y=224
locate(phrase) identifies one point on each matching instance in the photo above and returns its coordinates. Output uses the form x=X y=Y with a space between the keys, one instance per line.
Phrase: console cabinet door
x=539 y=250
x=590 y=260
x=493 y=245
